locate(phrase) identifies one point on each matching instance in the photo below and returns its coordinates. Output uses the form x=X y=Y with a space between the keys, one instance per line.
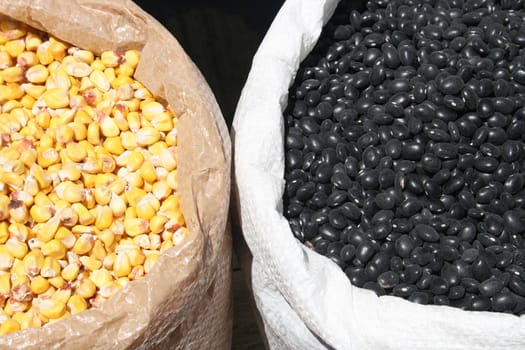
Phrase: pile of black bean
x=404 y=150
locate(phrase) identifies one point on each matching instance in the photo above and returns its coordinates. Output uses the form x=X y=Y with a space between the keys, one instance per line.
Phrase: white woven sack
x=305 y=300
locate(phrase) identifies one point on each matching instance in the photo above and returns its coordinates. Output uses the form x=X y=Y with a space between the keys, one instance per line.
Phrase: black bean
x=503 y=301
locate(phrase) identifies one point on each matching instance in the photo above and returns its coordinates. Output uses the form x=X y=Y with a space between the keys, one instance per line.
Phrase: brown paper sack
x=185 y=301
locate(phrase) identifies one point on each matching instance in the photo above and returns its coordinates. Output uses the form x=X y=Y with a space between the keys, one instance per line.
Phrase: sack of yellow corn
x=114 y=184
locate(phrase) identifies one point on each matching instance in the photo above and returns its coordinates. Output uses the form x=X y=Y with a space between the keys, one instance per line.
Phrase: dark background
x=220 y=36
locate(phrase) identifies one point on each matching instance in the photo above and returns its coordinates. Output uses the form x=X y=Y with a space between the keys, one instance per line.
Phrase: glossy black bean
x=503 y=301
x=404 y=290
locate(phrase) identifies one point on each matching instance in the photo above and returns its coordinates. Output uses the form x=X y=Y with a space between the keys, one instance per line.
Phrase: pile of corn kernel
x=88 y=177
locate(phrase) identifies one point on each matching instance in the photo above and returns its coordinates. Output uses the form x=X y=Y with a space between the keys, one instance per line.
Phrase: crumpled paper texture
x=185 y=301
x=305 y=300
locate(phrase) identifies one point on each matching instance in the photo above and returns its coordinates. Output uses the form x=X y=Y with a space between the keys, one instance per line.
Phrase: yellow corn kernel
x=78 y=69
x=4 y=207
x=90 y=263
x=161 y=190
x=12 y=91
x=135 y=227
x=29 y=319
x=117 y=205
x=89 y=179
x=157 y=223
x=122 y=266
x=39 y=285
x=27 y=59
x=5 y=60
x=64 y=134
x=18 y=231
x=5 y=283
x=33 y=262
x=109 y=261
x=12 y=74
x=37 y=74
x=57 y=282
x=13 y=181
x=70 y=272
x=142 y=241
x=76 y=152
x=102 y=195
x=121 y=80
x=147 y=136
x=27 y=101
x=18 y=211
x=111 y=58
x=15 y=47
x=107 y=237
x=108 y=126
x=147 y=207
x=56 y=98
x=99 y=79
x=134 y=195
x=128 y=140
x=165 y=246
x=16 y=248
x=21 y=289
x=151 y=109
x=150 y=261
x=162 y=121
x=131 y=213
x=84 y=216
x=147 y=171
x=47 y=156
x=114 y=145
x=4 y=233
x=69 y=172
x=55 y=249
x=41 y=213
x=9 y=326
x=135 y=160
x=93 y=133
x=57 y=48
x=167 y=159
x=132 y=58
x=104 y=217
x=70 y=192
x=84 y=244
x=86 y=289
x=76 y=304
x=84 y=56
x=101 y=277
x=50 y=267
x=136 y=257
x=52 y=309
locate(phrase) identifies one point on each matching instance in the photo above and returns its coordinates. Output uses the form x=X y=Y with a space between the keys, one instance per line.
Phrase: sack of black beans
x=379 y=170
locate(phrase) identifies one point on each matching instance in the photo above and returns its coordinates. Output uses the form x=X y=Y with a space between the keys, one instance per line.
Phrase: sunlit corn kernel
x=84 y=56
x=120 y=80
x=134 y=161
x=52 y=309
x=117 y=205
x=78 y=69
x=16 y=248
x=70 y=272
x=114 y=145
x=69 y=173
x=50 y=267
x=70 y=191
x=86 y=289
x=47 y=156
x=147 y=171
x=18 y=231
x=107 y=237
x=171 y=180
x=147 y=136
x=83 y=244
x=150 y=261
x=55 y=249
x=41 y=213
x=13 y=181
x=37 y=74
x=68 y=217
x=136 y=257
x=72 y=259
x=108 y=126
x=147 y=207
x=9 y=326
x=109 y=261
x=165 y=246
x=84 y=216
x=39 y=285
x=102 y=195
x=76 y=152
x=15 y=47
x=111 y=58
x=57 y=282
x=104 y=217
x=76 y=304
x=122 y=266
x=6 y=61
x=4 y=233
x=143 y=94
x=65 y=236
x=135 y=227
x=56 y=98
x=27 y=59
x=12 y=91
x=101 y=277
x=21 y=289
x=99 y=79
x=12 y=74
x=93 y=133
x=134 y=121
x=64 y=134
x=134 y=194
x=6 y=258
x=33 y=262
